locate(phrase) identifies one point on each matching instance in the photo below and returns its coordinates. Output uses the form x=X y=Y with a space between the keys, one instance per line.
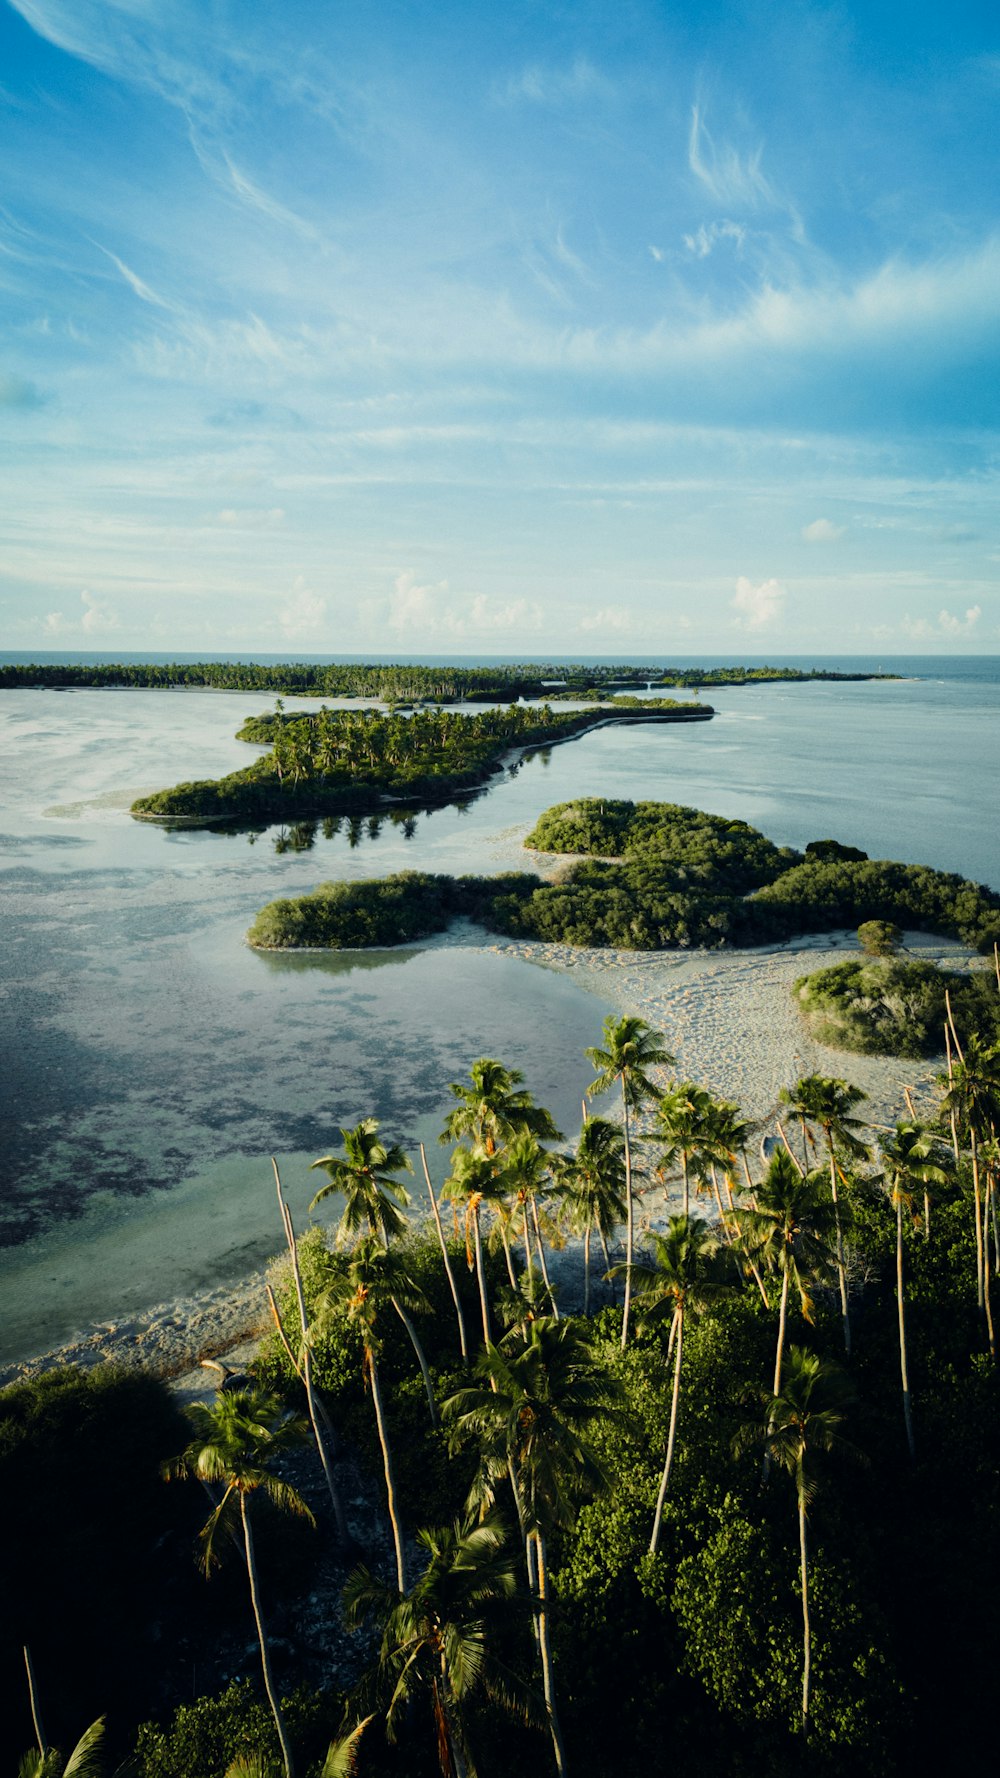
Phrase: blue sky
x=525 y=329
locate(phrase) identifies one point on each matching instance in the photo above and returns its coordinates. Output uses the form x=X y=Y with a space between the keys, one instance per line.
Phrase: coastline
x=728 y=1017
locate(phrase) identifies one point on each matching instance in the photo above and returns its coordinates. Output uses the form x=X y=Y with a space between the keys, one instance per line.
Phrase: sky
x=604 y=328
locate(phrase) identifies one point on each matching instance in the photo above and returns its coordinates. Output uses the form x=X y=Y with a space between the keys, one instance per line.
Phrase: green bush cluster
x=894 y=1007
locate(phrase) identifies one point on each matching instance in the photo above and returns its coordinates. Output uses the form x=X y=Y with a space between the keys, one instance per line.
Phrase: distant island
x=339 y=762
x=389 y=683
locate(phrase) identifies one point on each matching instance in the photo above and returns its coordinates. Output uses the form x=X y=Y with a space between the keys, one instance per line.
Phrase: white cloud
x=758 y=606
x=303 y=613
x=430 y=610
x=134 y=282
x=540 y=85
x=920 y=629
x=708 y=236
x=96 y=618
x=249 y=518
x=822 y=531
x=610 y=617
x=728 y=176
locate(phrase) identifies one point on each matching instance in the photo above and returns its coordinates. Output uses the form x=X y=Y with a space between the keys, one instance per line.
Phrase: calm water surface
x=153 y=1063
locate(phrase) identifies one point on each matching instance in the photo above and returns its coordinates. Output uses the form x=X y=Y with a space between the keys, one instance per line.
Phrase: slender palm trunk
x=36 y=1715
x=528 y=1256
x=452 y=1285
x=778 y=1356
x=903 y=1369
x=305 y=1371
x=718 y=1201
x=988 y=1304
x=845 y=1314
x=978 y=1196
x=586 y=1270
x=806 y=1631
x=265 y=1654
x=607 y=1260
x=449 y=1738
x=545 y=1651
x=505 y=1243
x=686 y=1203
x=541 y=1255
x=415 y=1342
x=629 y=1222
x=390 y=1485
x=654 y=1542
x=480 y=1276
x=782 y=1320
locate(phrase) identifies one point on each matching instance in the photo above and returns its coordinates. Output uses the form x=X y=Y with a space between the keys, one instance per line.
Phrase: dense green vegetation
x=578 y=1541
x=339 y=761
x=894 y=1008
x=395 y=681
x=663 y=877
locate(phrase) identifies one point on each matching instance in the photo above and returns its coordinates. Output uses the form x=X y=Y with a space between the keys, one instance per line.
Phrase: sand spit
x=728 y=1017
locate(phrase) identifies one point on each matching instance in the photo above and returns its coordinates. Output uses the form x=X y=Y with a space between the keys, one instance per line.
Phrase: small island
x=647 y=877
x=340 y=762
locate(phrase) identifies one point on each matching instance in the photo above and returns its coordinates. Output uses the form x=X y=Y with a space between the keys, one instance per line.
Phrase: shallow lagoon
x=154 y=1063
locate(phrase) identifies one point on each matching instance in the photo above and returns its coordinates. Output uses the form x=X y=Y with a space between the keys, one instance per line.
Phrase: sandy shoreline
x=728 y=1017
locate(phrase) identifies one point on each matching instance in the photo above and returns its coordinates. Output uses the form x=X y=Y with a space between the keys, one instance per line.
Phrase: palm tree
x=909 y=1167
x=541 y=1388
x=234 y=1439
x=375 y=1280
x=829 y=1104
x=592 y=1182
x=475 y=1179
x=800 y=1422
x=341 y=1758
x=688 y=1124
x=527 y=1176
x=631 y=1048
x=372 y=1198
x=972 y=1101
x=793 y=1232
x=492 y=1107
x=681 y=1280
x=435 y=1638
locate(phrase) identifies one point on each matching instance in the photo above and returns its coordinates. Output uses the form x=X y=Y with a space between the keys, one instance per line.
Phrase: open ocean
x=152 y=1063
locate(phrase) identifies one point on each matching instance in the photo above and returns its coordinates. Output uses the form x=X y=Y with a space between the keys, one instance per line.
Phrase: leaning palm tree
x=539 y=1392
x=680 y=1280
x=592 y=1184
x=791 y=1232
x=435 y=1641
x=908 y=1159
x=374 y=1281
x=234 y=1440
x=829 y=1104
x=373 y=1199
x=492 y=1106
x=631 y=1048
x=800 y=1422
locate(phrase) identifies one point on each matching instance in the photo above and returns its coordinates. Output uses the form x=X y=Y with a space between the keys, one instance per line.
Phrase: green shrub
x=204 y=1737
x=893 y=1008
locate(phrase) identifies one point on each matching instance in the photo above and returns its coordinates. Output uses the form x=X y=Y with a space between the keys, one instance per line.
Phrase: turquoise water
x=153 y=1062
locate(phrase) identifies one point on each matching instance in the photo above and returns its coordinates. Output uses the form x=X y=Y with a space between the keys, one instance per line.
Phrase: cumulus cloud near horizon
x=431 y=609
x=758 y=606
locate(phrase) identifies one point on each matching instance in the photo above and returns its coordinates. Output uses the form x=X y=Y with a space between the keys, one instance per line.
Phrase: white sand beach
x=729 y=1019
